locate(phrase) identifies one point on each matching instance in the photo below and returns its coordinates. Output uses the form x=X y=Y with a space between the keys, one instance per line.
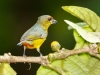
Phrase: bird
x=55 y=46
x=34 y=37
x=92 y=37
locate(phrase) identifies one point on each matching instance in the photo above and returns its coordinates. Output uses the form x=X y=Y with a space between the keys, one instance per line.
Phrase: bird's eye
x=49 y=19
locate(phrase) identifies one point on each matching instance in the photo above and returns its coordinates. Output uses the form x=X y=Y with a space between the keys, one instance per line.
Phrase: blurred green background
x=16 y=16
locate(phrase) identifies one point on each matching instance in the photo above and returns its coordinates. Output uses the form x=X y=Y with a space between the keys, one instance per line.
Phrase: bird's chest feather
x=34 y=44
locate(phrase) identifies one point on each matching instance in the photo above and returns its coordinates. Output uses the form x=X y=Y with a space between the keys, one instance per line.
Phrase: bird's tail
x=19 y=44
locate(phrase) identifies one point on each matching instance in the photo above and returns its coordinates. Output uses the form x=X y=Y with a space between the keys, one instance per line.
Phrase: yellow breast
x=33 y=44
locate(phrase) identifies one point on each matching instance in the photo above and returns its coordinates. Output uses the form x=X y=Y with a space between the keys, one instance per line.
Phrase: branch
x=7 y=57
x=14 y=59
x=45 y=60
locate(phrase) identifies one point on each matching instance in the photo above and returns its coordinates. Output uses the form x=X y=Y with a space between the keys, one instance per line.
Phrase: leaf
x=81 y=24
x=80 y=42
x=47 y=71
x=85 y=34
x=81 y=64
x=5 y=69
x=73 y=65
x=85 y=14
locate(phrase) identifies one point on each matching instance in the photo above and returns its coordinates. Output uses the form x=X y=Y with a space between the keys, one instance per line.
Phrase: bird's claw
x=24 y=56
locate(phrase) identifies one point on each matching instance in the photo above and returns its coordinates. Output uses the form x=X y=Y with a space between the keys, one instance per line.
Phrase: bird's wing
x=35 y=32
x=33 y=36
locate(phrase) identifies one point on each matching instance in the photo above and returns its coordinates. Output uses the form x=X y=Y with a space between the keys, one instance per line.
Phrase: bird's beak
x=54 y=22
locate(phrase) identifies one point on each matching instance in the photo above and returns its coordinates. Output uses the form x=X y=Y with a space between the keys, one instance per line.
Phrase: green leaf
x=92 y=37
x=47 y=71
x=81 y=64
x=73 y=65
x=5 y=69
x=80 y=42
x=81 y=24
x=85 y=14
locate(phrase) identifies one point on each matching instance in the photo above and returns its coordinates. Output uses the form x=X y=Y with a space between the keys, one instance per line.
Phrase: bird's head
x=46 y=21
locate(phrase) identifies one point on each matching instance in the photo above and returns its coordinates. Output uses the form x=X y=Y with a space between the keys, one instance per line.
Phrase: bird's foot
x=24 y=55
x=43 y=60
x=41 y=55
